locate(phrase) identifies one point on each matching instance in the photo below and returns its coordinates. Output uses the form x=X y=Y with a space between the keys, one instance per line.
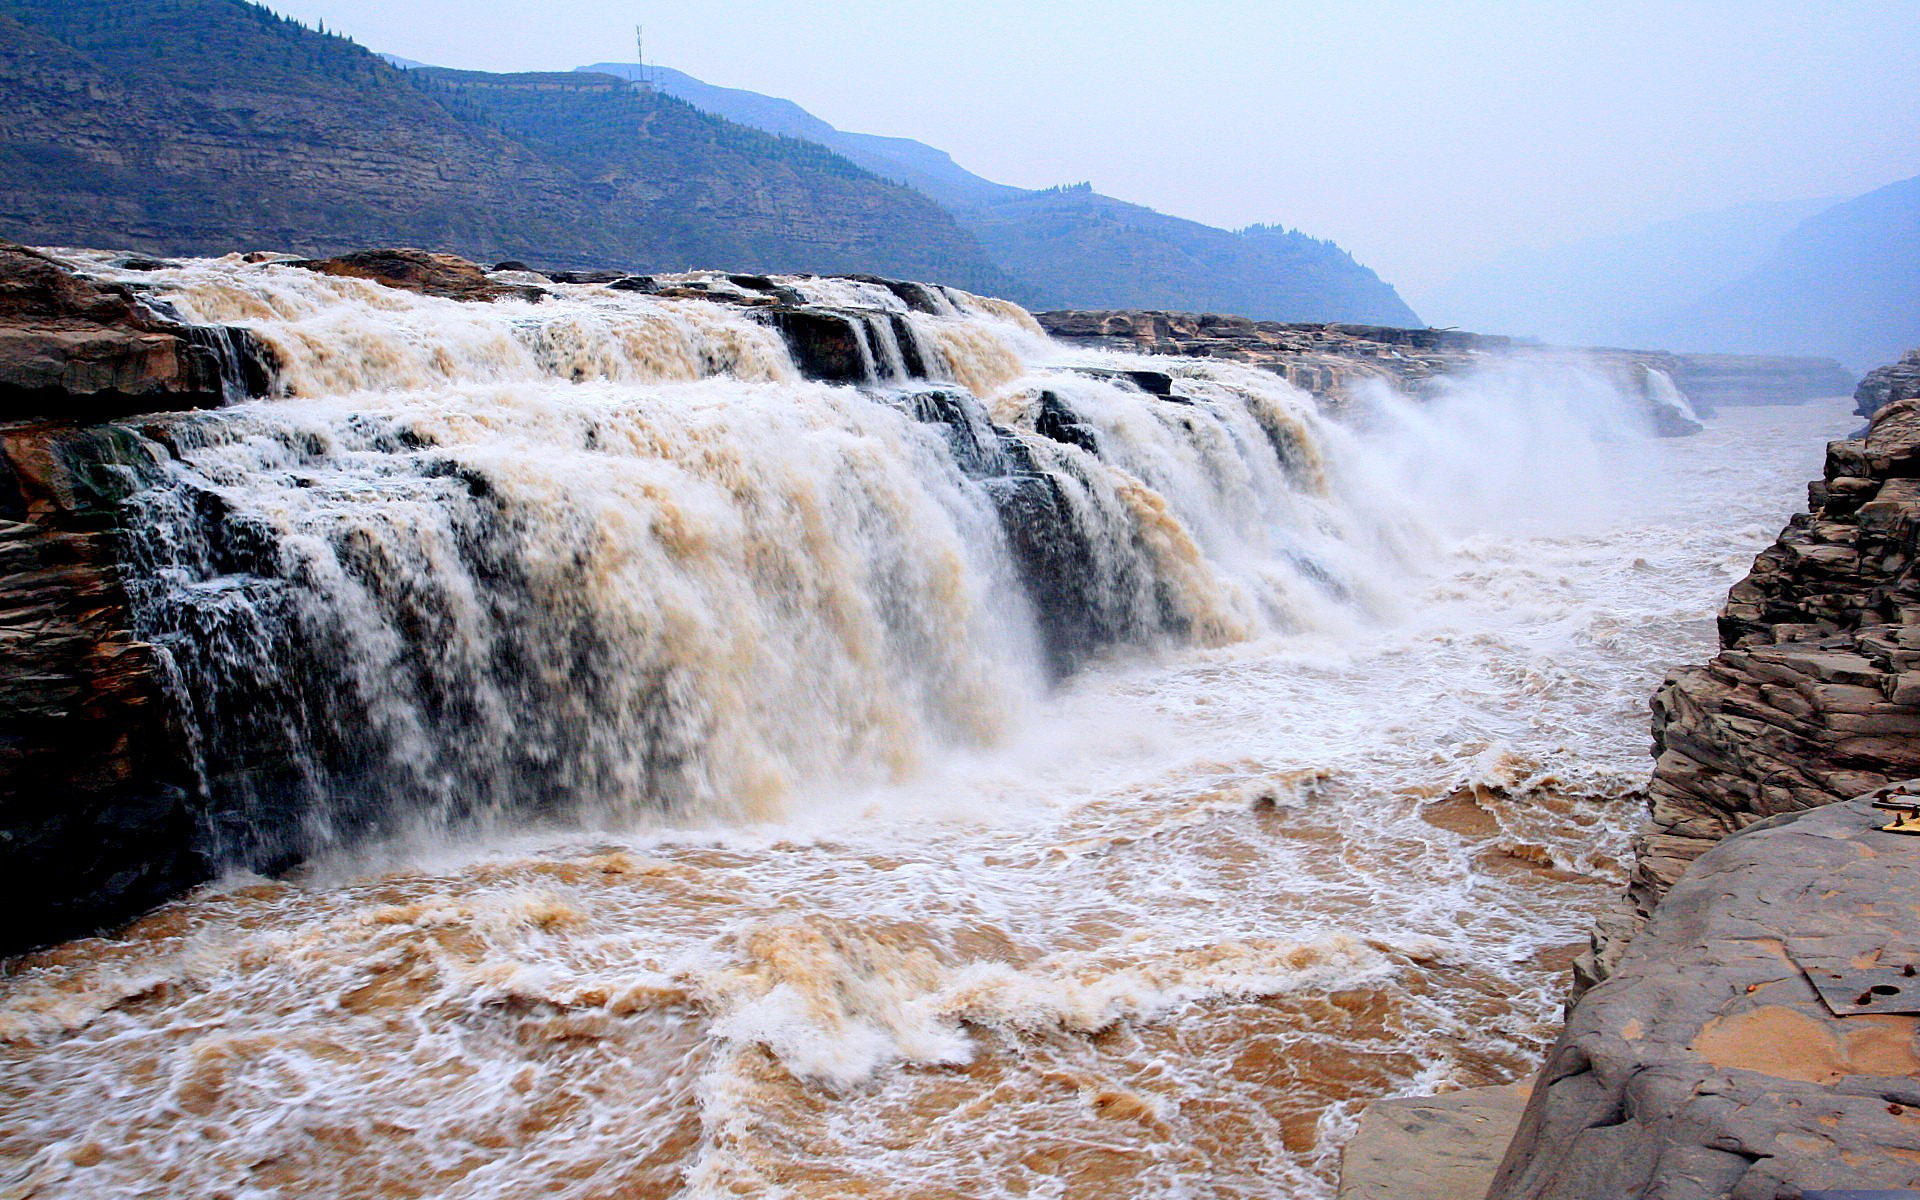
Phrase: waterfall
x=614 y=555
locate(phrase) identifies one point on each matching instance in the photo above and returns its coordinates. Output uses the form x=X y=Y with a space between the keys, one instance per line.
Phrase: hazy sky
x=1424 y=135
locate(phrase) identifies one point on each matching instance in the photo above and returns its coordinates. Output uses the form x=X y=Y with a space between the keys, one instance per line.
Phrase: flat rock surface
x=1431 y=1147
x=1708 y=1066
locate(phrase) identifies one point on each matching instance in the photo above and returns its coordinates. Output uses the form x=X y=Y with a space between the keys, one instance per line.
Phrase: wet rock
x=75 y=347
x=95 y=820
x=826 y=345
x=1708 y=1066
x=443 y=275
x=606 y=277
x=1886 y=385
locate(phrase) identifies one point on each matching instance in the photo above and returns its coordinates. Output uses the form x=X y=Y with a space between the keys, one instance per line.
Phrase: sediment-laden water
x=993 y=780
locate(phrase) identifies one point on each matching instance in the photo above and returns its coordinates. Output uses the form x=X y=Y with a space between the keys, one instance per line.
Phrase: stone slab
x=1432 y=1147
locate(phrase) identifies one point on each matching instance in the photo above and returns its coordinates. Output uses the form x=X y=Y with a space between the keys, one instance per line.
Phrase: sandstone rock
x=1332 y=360
x=71 y=346
x=1707 y=1066
x=444 y=275
x=1431 y=1147
x=1712 y=380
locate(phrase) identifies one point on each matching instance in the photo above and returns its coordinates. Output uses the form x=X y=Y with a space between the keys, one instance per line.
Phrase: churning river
x=989 y=781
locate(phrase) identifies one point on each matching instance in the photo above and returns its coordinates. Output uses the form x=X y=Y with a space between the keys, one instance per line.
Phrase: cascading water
x=608 y=555
x=983 y=777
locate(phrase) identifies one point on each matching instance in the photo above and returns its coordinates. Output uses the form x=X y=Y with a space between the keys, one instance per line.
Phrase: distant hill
x=1844 y=282
x=201 y=126
x=1072 y=247
x=1616 y=290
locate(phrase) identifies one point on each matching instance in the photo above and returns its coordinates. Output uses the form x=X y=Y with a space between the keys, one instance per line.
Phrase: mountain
x=1616 y=290
x=199 y=126
x=903 y=160
x=1845 y=282
x=1071 y=247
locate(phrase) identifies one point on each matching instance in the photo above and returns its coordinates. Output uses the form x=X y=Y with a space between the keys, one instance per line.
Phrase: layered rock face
x=1326 y=359
x=94 y=784
x=1329 y=359
x=1717 y=1062
x=1885 y=385
x=1815 y=697
x=89 y=350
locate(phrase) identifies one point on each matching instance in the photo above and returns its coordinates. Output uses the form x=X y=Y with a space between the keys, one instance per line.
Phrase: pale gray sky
x=1424 y=135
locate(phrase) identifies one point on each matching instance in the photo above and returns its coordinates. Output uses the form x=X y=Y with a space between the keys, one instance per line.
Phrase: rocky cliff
x=1714 y=380
x=1886 y=385
x=1815 y=695
x=94 y=784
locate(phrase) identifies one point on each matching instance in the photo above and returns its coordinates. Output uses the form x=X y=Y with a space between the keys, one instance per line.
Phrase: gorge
x=704 y=734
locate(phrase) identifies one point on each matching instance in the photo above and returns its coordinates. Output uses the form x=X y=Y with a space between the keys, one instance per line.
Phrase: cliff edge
x=1815 y=695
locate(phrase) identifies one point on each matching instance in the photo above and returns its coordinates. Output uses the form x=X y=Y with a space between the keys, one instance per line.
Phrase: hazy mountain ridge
x=1071 y=247
x=199 y=126
x=1609 y=290
x=1818 y=277
x=1845 y=282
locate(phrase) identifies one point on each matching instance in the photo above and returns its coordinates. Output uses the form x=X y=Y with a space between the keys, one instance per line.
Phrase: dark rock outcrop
x=1885 y=385
x=96 y=811
x=1709 y=1066
x=95 y=816
x=825 y=344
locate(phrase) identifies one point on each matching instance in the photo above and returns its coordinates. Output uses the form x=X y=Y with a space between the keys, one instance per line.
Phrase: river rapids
x=641 y=771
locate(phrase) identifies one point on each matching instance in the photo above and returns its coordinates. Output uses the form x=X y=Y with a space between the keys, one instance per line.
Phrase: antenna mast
x=640 y=53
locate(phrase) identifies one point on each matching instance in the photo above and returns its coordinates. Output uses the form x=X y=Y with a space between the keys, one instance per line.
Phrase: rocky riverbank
x=1330 y=359
x=1815 y=695
x=1756 y=1041
x=1748 y=1020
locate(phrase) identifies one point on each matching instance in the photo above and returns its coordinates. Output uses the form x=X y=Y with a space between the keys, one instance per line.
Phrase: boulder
x=1885 y=385
x=445 y=275
x=1431 y=1147
x=1757 y=1040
